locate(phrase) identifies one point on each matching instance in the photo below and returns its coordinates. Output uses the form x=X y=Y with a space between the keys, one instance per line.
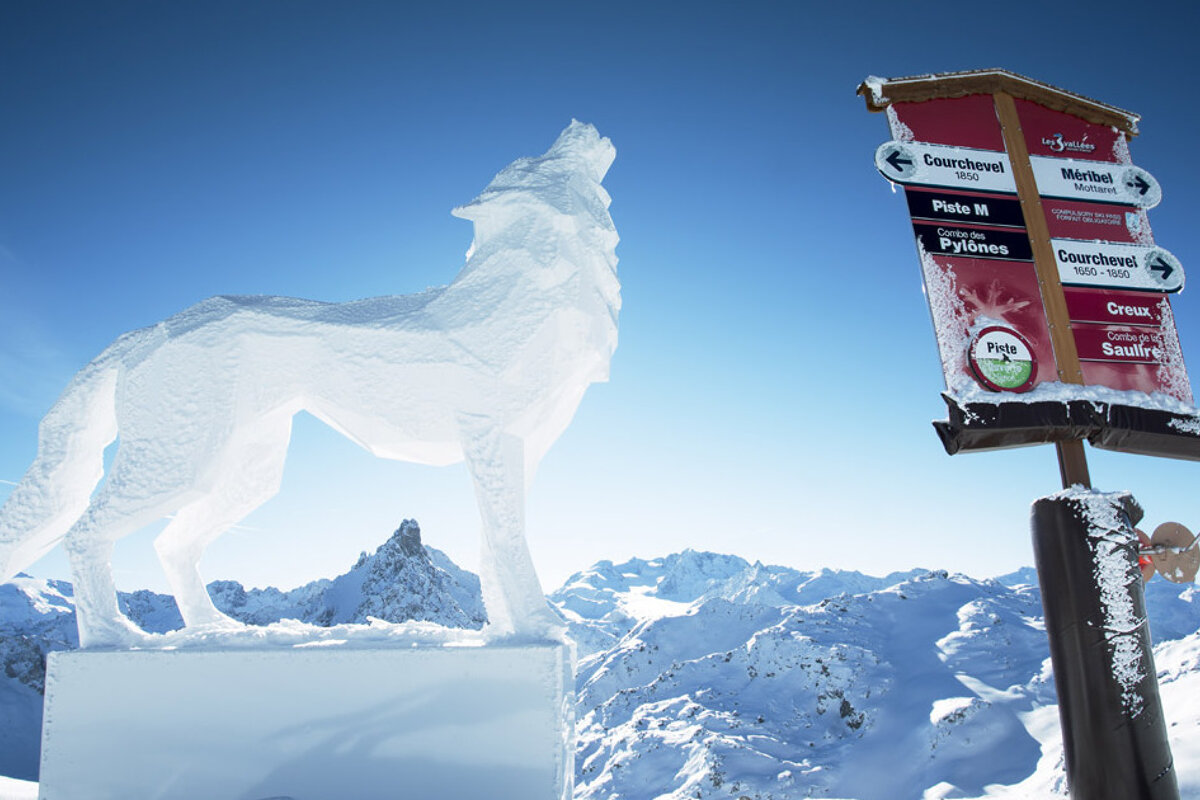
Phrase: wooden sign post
x=1072 y=461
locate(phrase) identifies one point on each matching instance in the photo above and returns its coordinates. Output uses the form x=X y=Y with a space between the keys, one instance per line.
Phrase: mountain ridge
x=705 y=675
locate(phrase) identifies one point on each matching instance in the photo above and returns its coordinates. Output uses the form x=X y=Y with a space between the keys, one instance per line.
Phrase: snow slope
x=14 y=789
x=707 y=676
x=738 y=680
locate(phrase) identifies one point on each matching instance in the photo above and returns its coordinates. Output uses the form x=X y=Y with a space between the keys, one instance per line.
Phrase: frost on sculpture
x=489 y=369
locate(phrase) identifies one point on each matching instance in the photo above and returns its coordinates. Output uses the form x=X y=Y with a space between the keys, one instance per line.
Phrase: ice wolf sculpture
x=488 y=369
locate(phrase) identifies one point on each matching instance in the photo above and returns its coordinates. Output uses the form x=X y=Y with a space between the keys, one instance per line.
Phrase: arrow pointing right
x=1140 y=184
x=1158 y=265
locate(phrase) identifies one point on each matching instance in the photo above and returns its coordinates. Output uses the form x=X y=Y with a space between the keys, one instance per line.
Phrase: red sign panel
x=961 y=122
x=1125 y=376
x=1074 y=219
x=1053 y=133
x=1119 y=344
x=1114 y=308
x=1128 y=347
x=965 y=291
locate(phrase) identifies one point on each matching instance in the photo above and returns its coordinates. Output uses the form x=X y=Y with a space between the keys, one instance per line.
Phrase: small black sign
x=956 y=240
x=1004 y=212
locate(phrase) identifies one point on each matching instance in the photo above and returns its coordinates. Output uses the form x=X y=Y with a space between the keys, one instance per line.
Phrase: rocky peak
x=408 y=538
x=405 y=580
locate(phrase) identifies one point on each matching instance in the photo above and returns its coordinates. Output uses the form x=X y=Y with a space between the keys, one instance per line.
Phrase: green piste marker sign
x=1002 y=360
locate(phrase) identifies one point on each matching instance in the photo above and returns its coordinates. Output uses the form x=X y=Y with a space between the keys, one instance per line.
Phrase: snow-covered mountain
x=706 y=676
x=36 y=616
x=882 y=688
x=402 y=580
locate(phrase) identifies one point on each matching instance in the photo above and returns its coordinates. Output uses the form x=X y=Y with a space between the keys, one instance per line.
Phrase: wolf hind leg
x=254 y=475
x=148 y=480
x=57 y=487
x=89 y=546
x=99 y=619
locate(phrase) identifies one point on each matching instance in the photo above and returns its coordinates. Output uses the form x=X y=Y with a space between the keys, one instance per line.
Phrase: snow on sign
x=1117 y=266
x=939 y=165
x=1099 y=182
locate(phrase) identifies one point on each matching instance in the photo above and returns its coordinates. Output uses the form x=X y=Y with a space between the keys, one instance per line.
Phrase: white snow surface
x=917 y=685
x=1059 y=392
x=706 y=676
x=487 y=370
x=14 y=789
x=875 y=85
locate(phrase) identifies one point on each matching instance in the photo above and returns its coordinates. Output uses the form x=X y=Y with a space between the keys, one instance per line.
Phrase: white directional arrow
x=939 y=165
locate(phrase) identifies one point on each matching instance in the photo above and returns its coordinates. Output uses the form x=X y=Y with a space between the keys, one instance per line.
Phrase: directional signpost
x=1043 y=277
x=1024 y=212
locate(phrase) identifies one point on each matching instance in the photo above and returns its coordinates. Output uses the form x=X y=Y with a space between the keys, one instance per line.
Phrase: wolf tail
x=70 y=462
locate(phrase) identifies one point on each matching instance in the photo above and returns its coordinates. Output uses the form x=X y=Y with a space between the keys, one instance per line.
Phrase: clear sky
x=776 y=374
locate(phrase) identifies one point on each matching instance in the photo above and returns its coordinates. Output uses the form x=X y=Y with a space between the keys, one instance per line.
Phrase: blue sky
x=776 y=374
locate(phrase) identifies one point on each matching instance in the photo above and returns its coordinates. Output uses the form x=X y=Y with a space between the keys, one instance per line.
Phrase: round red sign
x=1002 y=360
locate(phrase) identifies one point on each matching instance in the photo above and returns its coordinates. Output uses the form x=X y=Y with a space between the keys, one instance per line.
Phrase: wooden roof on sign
x=882 y=92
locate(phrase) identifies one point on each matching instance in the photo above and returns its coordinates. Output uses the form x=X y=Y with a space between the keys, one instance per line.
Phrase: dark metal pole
x=1114 y=736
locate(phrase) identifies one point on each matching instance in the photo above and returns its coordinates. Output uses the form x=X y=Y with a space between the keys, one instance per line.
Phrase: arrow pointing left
x=895 y=159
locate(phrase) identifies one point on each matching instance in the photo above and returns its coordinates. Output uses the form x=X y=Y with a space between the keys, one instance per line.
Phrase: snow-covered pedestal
x=310 y=723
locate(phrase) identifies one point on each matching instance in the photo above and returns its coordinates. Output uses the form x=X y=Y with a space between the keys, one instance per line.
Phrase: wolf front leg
x=512 y=593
